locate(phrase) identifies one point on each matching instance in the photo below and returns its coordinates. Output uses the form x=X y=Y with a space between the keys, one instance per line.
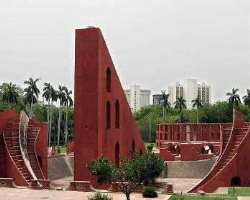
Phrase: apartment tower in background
x=190 y=89
x=137 y=97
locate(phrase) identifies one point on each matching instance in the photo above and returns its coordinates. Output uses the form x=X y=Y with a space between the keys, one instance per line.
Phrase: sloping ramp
x=233 y=165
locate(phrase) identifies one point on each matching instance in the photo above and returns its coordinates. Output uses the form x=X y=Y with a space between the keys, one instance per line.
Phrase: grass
x=233 y=193
x=242 y=191
x=198 y=197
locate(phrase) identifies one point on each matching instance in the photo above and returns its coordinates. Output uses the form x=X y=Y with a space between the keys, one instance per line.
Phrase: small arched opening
x=108 y=115
x=117 y=114
x=235 y=181
x=117 y=154
x=108 y=80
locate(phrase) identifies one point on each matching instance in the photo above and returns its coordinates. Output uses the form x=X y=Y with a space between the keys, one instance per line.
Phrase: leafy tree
x=165 y=103
x=31 y=93
x=10 y=93
x=197 y=103
x=246 y=98
x=102 y=169
x=139 y=169
x=234 y=98
x=180 y=104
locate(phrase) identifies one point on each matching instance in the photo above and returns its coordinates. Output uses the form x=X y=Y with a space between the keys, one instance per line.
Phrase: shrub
x=149 y=192
x=102 y=169
x=100 y=196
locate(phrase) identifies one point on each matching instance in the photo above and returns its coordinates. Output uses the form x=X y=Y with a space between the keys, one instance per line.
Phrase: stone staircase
x=1 y=157
x=11 y=137
x=13 y=147
x=232 y=138
x=32 y=134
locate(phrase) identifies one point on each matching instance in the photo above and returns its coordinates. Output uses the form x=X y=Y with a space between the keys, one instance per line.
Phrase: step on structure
x=104 y=124
x=23 y=149
x=232 y=168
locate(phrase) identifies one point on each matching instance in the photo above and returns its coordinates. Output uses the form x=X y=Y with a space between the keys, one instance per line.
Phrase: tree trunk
x=66 y=126
x=48 y=117
x=128 y=196
x=51 y=118
x=163 y=113
x=197 y=115
x=59 y=127
x=31 y=107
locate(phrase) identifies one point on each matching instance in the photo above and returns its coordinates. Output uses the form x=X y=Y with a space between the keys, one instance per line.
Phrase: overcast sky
x=152 y=42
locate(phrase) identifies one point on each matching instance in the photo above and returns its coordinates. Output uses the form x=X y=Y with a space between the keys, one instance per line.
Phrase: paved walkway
x=28 y=194
x=181 y=184
x=243 y=198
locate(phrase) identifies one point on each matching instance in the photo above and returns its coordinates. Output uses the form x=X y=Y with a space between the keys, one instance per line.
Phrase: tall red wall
x=5 y=117
x=92 y=138
x=5 y=164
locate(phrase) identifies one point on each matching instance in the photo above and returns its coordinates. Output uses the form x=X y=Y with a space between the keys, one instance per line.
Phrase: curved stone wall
x=60 y=167
x=188 y=169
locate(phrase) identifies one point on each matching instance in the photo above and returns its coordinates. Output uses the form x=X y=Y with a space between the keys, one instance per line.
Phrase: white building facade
x=137 y=97
x=190 y=90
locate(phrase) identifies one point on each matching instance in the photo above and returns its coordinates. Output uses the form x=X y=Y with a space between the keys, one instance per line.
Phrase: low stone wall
x=188 y=169
x=60 y=167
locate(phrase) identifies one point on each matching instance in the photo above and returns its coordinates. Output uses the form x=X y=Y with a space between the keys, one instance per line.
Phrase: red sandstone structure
x=229 y=142
x=104 y=125
x=23 y=150
x=189 y=142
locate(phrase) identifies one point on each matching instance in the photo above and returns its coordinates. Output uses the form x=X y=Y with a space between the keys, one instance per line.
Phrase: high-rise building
x=204 y=93
x=157 y=99
x=190 y=90
x=175 y=91
x=137 y=97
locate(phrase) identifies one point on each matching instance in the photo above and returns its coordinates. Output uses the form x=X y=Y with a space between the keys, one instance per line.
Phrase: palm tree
x=68 y=104
x=62 y=100
x=234 y=98
x=197 y=103
x=31 y=93
x=49 y=95
x=165 y=103
x=10 y=93
x=180 y=104
x=246 y=98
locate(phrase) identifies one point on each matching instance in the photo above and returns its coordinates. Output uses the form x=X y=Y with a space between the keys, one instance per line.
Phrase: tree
x=68 y=104
x=197 y=103
x=180 y=104
x=102 y=169
x=50 y=95
x=165 y=103
x=246 y=98
x=234 y=98
x=31 y=93
x=139 y=169
x=10 y=93
x=62 y=100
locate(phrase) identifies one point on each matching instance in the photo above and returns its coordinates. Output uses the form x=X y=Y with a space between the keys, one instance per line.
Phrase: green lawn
x=242 y=191
x=233 y=193
x=198 y=197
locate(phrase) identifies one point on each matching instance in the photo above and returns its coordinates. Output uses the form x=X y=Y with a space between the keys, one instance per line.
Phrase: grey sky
x=152 y=42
